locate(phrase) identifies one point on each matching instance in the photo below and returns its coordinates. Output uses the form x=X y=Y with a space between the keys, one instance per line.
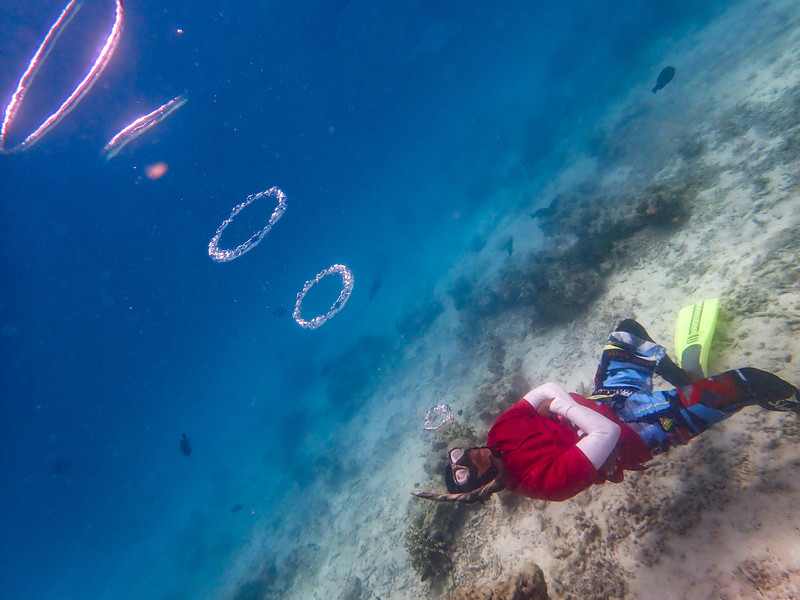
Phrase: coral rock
x=528 y=584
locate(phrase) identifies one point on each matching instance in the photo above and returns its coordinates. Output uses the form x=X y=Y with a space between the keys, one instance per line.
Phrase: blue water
x=389 y=125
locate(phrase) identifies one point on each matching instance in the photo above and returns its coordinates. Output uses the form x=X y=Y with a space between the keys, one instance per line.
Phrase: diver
x=552 y=445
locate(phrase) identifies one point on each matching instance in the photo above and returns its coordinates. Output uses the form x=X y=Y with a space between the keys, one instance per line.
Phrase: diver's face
x=470 y=465
x=481 y=458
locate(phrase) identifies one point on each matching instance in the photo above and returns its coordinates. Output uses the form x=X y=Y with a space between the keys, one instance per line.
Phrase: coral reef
x=664 y=206
x=461 y=291
x=273 y=581
x=256 y=589
x=693 y=148
x=264 y=586
x=428 y=543
x=593 y=232
x=431 y=535
x=504 y=387
x=459 y=434
x=528 y=584
x=590 y=215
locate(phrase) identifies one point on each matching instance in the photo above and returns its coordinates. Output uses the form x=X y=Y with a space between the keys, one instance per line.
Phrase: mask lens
x=461 y=475
x=456 y=454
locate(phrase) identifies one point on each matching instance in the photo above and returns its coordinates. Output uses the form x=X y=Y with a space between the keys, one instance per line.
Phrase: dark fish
x=509 y=246
x=280 y=311
x=543 y=213
x=236 y=508
x=376 y=285
x=60 y=467
x=664 y=78
x=186 y=447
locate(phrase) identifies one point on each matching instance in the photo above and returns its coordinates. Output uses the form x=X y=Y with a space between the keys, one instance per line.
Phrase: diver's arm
x=546 y=392
x=601 y=433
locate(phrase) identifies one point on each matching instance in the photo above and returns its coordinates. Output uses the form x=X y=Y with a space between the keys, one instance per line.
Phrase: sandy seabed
x=719 y=518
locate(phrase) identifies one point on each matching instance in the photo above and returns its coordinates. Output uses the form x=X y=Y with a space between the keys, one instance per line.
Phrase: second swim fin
x=693 y=335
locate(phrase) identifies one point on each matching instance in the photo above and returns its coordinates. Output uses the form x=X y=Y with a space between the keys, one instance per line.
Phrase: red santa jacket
x=541 y=457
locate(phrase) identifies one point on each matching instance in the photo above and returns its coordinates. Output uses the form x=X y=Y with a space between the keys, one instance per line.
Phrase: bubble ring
x=100 y=63
x=224 y=254
x=440 y=418
x=133 y=130
x=338 y=304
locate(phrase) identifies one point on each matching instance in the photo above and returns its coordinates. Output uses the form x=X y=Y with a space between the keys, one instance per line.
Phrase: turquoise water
x=397 y=131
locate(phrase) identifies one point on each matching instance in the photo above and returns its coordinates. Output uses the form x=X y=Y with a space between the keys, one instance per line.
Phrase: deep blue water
x=387 y=124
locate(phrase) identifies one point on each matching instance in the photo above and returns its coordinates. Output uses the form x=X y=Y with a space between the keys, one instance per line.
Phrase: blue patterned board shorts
x=624 y=382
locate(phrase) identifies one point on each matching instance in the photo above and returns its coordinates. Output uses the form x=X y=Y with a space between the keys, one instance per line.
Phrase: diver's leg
x=731 y=390
x=631 y=357
x=671 y=418
x=622 y=363
x=672 y=373
x=666 y=368
x=710 y=400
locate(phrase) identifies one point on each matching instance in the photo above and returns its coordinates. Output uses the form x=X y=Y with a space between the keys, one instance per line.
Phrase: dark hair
x=482 y=494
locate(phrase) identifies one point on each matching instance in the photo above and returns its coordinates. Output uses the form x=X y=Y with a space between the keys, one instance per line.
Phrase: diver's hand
x=543 y=409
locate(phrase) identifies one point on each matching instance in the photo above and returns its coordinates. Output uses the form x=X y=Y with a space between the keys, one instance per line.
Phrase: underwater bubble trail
x=338 y=304
x=224 y=255
x=77 y=94
x=139 y=126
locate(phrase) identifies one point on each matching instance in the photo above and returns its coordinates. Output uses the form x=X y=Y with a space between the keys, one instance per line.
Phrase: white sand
x=719 y=518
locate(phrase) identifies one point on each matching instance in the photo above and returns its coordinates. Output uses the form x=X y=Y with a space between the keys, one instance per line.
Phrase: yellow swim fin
x=693 y=334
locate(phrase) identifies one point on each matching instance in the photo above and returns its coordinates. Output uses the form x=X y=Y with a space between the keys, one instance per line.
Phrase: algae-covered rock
x=431 y=535
x=528 y=584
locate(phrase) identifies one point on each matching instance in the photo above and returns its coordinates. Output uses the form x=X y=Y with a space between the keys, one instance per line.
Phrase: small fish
x=236 y=508
x=186 y=447
x=664 y=78
x=509 y=246
x=376 y=285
